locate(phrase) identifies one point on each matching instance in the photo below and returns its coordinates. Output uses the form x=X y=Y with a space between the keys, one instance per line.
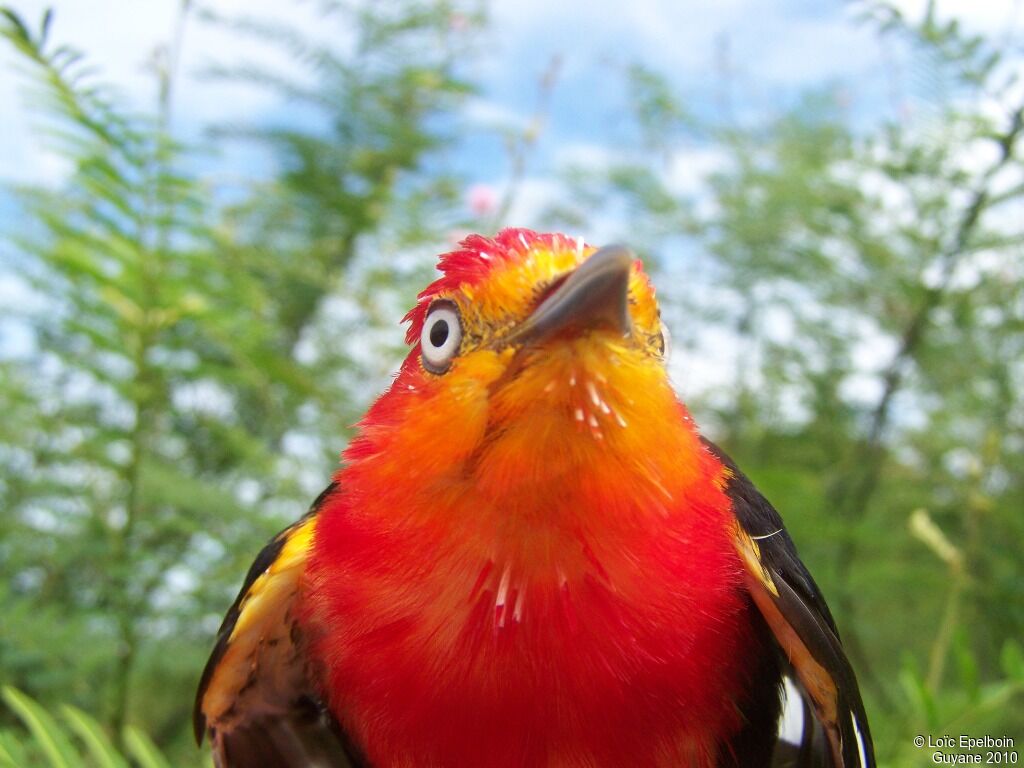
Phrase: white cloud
x=788 y=51
x=768 y=42
x=688 y=169
x=707 y=366
x=488 y=113
x=585 y=154
x=532 y=196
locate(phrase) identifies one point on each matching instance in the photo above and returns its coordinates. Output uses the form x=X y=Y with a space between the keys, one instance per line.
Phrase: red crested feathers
x=476 y=257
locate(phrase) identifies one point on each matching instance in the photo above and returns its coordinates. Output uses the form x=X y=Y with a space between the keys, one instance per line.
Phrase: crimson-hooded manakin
x=531 y=557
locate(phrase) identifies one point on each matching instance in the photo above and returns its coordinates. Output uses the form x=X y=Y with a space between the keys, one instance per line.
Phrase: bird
x=530 y=556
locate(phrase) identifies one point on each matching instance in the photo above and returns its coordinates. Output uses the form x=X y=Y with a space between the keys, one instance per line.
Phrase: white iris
x=440 y=337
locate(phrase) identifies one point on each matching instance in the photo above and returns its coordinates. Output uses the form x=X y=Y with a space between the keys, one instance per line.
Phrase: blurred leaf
x=1012 y=659
x=91 y=734
x=967 y=666
x=50 y=739
x=142 y=749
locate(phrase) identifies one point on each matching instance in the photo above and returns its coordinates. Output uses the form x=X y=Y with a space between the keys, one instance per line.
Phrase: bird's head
x=537 y=364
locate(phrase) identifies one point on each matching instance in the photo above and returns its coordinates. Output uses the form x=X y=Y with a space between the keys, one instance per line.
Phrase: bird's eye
x=665 y=342
x=440 y=337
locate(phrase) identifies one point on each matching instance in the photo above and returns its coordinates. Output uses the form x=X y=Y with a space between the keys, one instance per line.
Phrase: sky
x=736 y=54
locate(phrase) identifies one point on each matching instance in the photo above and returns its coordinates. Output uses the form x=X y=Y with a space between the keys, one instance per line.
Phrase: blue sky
x=767 y=52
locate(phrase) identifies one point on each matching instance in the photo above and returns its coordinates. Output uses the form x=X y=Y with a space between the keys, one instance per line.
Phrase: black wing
x=796 y=613
x=256 y=697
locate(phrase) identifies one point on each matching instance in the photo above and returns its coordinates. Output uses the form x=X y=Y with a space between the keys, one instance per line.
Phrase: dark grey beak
x=595 y=295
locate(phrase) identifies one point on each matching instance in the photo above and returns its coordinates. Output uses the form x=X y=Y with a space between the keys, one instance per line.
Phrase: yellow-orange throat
x=491 y=449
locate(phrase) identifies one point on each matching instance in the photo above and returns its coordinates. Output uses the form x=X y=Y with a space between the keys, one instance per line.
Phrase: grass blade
x=95 y=740
x=42 y=726
x=142 y=750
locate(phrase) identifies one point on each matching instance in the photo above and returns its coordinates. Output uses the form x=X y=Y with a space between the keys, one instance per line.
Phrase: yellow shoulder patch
x=750 y=553
x=260 y=652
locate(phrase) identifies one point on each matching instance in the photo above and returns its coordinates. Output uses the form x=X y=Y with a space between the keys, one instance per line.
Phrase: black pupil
x=439 y=333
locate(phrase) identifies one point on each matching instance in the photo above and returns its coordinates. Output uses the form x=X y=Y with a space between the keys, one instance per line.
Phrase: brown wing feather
x=256 y=697
x=796 y=612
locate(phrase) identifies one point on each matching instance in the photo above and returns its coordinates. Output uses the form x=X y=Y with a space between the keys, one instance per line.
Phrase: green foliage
x=72 y=740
